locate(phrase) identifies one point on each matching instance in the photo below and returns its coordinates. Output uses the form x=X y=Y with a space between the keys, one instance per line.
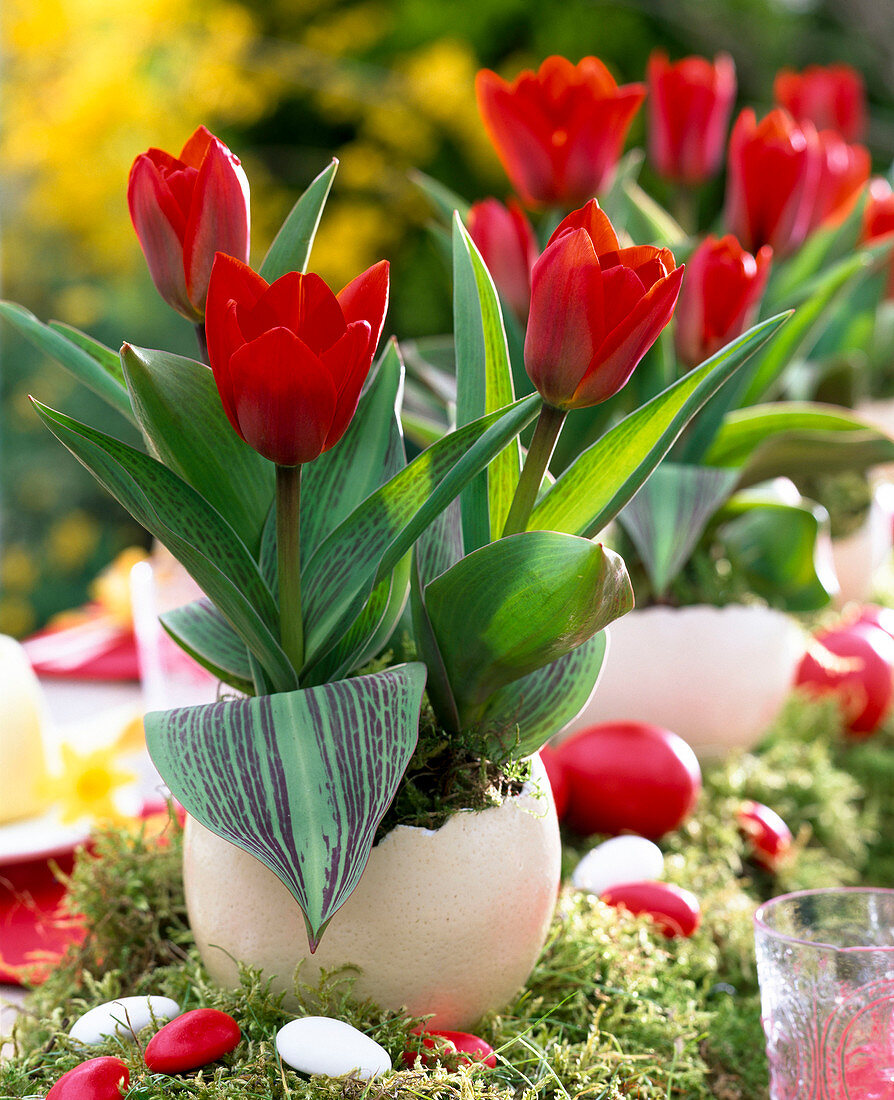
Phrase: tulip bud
x=719 y=298
x=832 y=97
x=290 y=357
x=689 y=108
x=596 y=309
x=773 y=174
x=559 y=132
x=878 y=219
x=506 y=241
x=184 y=210
x=844 y=172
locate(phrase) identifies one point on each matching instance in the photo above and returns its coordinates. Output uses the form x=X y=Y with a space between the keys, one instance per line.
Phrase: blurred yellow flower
x=72 y=540
x=112 y=587
x=86 y=785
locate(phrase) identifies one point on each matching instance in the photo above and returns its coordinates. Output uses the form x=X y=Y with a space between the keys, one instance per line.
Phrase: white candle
x=22 y=761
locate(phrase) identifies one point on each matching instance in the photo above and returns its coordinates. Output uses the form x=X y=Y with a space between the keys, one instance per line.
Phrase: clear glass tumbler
x=825 y=962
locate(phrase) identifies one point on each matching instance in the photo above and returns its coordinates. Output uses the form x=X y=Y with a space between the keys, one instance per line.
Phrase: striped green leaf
x=180 y=413
x=597 y=485
x=201 y=630
x=292 y=245
x=197 y=535
x=300 y=780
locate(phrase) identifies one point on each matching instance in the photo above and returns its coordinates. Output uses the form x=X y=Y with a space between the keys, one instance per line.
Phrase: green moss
x=612 y=1009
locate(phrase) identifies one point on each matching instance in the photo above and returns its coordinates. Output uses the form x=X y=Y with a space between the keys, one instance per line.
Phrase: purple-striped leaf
x=200 y=629
x=300 y=780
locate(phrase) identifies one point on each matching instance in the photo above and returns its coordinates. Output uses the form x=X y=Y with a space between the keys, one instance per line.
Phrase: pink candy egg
x=465 y=1044
x=675 y=911
x=192 y=1040
x=96 y=1079
x=768 y=836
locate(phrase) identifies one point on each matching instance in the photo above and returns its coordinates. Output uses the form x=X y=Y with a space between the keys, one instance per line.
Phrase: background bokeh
x=384 y=85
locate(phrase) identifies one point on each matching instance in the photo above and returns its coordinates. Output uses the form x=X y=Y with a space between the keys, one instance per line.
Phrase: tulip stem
x=202 y=342
x=288 y=560
x=543 y=443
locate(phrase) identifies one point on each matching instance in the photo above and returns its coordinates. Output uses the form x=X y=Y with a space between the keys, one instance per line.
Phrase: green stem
x=543 y=443
x=288 y=560
x=202 y=342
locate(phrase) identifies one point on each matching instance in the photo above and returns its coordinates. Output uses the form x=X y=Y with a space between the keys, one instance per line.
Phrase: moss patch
x=612 y=1009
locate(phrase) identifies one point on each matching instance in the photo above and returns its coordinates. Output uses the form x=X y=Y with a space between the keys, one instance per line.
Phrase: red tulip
x=844 y=172
x=831 y=97
x=559 y=132
x=596 y=309
x=689 y=108
x=507 y=244
x=878 y=218
x=290 y=357
x=719 y=298
x=772 y=181
x=185 y=209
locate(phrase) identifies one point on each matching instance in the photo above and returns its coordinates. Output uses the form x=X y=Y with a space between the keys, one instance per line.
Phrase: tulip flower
x=719 y=298
x=831 y=97
x=506 y=241
x=290 y=357
x=596 y=309
x=773 y=174
x=559 y=132
x=689 y=108
x=185 y=209
x=844 y=172
x=878 y=219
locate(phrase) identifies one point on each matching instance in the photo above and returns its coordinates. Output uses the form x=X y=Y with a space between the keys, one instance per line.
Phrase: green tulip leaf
x=202 y=632
x=792 y=440
x=367 y=455
x=88 y=360
x=197 y=535
x=444 y=201
x=597 y=485
x=518 y=604
x=367 y=545
x=668 y=515
x=180 y=413
x=292 y=245
x=483 y=384
x=522 y=716
x=647 y=220
x=300 y=780
x=773 y=547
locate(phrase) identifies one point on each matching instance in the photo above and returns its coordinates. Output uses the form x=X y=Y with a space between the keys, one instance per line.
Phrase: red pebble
x=856 y=663
x=192 y=1040
x=465 y=1044
x=768 y=836
x=628 y=777
x=557 y=779
x=96 y=1079
x=675 y=911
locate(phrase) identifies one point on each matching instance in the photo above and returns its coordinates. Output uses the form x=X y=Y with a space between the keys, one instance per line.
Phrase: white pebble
x=621 y=859
x=123 y=1018
x=319 y=1044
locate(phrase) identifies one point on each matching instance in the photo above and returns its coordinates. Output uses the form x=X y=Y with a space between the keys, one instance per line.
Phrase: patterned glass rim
x=761 y=926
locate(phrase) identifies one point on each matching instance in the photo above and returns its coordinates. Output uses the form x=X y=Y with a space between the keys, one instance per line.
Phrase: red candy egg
x=96 y=1079
x=477 y=1050
x=628 y=777
x=768 y=836
x=557 y=779
x=882 y=617
x=675 y=911
x=192 y=1040
x=856 y=663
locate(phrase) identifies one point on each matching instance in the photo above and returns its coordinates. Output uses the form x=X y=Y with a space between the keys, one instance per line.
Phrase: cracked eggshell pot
x=448 y=921
x=716 y=676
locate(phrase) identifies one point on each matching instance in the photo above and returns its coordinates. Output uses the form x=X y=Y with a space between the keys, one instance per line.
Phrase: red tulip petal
x=594 y=220
x=284 y=396
x=596 y=134
x=158 y=222
x=348 y=363
x=567 y=320
x=230 y=281
x=622 y=292
x=229 y=339
x=650 y=264
x=521 y=135
x=628 y=342
x=304 y=304
x=365 y=298
x=193 y=152
x=218 y=219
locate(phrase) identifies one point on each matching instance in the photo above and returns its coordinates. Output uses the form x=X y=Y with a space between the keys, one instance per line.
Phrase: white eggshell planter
x=449 y=922
x=716 y=676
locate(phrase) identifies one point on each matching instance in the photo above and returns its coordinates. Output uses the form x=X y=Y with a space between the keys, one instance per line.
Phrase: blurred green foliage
x=385 y=85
